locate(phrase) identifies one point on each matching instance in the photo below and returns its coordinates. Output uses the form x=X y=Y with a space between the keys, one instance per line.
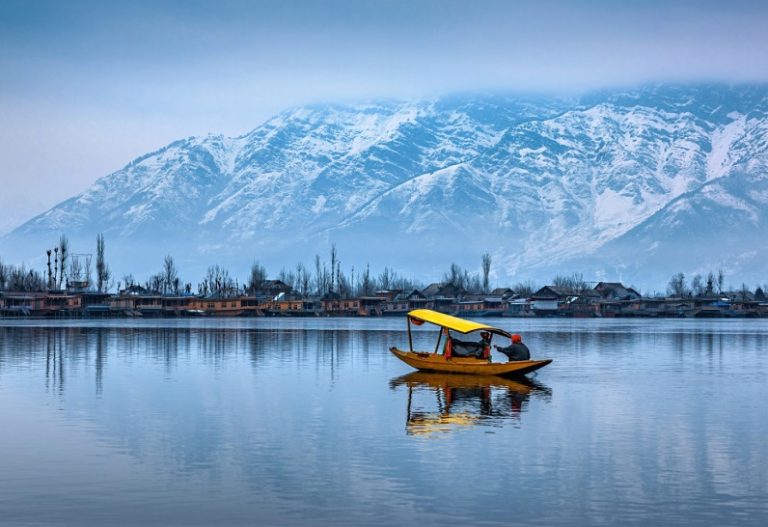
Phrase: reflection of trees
x=686 y=338
x=66 y=347
x=54 y=361
x=100 y=360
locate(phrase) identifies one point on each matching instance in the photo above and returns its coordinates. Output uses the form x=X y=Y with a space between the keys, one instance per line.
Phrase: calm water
x=313 y=422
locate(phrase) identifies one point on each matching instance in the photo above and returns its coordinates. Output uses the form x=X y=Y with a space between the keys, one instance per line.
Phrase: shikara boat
x=435 y=361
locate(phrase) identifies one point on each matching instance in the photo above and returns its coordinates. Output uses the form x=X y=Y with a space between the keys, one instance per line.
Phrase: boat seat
x=462 y=348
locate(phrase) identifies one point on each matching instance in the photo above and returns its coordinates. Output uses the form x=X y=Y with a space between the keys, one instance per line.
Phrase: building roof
x=550 y=292
x=615 y=291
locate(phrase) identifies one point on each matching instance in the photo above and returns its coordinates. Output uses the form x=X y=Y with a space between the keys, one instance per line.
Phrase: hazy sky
x=87 y=86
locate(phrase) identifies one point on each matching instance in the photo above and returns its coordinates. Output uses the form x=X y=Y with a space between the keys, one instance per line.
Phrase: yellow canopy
x=451 y=322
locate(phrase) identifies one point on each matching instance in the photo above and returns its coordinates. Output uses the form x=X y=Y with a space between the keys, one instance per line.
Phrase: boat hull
x=467 y=365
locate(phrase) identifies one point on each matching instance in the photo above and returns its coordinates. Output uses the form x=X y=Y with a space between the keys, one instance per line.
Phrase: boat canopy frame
x=419 y=316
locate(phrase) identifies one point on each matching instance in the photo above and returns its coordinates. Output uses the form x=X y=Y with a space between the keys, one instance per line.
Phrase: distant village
x=65 y=289
x=276 y=298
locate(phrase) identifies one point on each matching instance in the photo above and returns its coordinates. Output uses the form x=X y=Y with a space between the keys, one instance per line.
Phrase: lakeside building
x=275 y=298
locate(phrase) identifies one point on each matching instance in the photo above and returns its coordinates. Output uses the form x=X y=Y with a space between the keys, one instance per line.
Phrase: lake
x=313 y=422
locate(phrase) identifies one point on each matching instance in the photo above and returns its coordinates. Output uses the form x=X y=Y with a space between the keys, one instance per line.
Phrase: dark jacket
x=517 y=351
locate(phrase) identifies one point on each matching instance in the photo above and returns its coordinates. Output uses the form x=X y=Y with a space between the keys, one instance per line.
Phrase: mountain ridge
x=540 y=183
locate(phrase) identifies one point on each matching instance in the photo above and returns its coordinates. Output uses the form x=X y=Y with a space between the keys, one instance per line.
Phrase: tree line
x=710 y=285
x=64 y=269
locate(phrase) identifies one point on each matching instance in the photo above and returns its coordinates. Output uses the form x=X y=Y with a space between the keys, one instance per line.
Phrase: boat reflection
x=464 y=400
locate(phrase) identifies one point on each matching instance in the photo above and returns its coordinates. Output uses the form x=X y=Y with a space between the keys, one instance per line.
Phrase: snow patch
x=722 y=142
x=612 y=210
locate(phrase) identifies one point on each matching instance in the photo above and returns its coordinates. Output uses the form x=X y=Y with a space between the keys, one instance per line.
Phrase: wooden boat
x=439 y=362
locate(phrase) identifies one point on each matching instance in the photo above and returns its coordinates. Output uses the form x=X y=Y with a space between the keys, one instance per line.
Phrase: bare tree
x=676 y=286
x=697 y=285
x=50 y=272
x=720 y=280
x=486 y=271
x=103 y=273
x=759 y=293
x=20 y=279
x=4 y=275
x=525 y=289
x=343 y=284
x=155 y=283
x=128 y=280
x=366 y=284
x=169 y=274
x=63 y=252
x=87 y=272
x=385 y=279
x=710 y=283
x=573 y=284
x=475 y=286
x=56 y=267
x=455 y=275
x=303 y=280
x=744 y=292
x=76 y=270
x=217 y=279
x=333 y=266
x=326 y=281
x=318 y=279
x=258 y=276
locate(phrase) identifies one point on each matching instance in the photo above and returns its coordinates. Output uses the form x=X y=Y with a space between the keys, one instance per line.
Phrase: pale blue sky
x=87 y=86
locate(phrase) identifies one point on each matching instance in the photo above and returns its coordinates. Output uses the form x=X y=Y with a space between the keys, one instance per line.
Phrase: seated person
x=463 y=348
x=517 y=350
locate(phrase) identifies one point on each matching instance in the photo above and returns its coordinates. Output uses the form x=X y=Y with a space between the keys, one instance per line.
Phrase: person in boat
x=517 y=350
x=461 y=348
x=485 y=345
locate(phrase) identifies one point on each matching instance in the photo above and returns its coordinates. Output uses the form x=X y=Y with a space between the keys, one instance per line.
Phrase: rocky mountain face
x=627 y=185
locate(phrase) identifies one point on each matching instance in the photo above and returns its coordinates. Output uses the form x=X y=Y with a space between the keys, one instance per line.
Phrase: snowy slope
x=544 y=184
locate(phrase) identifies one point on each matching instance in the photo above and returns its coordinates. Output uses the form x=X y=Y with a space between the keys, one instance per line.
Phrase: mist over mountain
x=629 y=185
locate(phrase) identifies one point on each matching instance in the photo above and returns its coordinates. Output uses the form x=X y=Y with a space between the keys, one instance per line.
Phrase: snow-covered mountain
x=624 y=184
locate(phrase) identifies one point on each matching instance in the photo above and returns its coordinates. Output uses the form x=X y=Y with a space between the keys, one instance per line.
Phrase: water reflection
x=63 y=349
x=301 y=422
x=465 y=400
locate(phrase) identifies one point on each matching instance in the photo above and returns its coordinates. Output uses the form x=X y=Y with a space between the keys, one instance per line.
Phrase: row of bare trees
x=710 y=285
x=62 y=267
x=328 y=276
